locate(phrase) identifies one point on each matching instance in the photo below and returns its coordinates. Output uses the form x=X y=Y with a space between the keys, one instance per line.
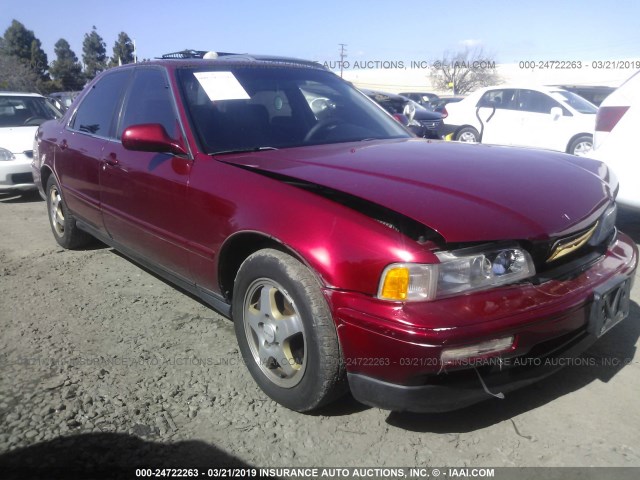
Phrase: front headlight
x=460 y=271
x=6 y=155
x=606 y=226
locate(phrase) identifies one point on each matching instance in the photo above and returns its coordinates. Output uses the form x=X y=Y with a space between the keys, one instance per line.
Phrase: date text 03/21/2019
x=579 y=65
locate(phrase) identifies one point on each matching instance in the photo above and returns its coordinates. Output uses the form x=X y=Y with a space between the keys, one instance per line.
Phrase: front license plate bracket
x=611 y=305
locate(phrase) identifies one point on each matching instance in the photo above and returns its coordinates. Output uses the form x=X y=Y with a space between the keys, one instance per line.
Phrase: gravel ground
x=103 y=364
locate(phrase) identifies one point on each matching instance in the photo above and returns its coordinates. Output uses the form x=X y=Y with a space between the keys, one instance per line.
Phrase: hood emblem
x=570 y=244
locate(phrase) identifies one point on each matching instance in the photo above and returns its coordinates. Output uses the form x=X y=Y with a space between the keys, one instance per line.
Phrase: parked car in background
x=63 y=100
x=593 y=94
x=423 y=98
x=20 y=115
x=614 y=142
x=422 y=122
x=422 y=276
x=529 y=116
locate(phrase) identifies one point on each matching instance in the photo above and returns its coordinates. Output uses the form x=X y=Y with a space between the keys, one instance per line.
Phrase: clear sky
x=373 y=30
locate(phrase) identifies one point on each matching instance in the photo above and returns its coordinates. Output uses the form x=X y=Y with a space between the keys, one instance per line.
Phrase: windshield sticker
x=221 y=86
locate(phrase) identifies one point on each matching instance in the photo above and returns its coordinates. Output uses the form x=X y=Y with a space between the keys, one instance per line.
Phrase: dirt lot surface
x=102 y=363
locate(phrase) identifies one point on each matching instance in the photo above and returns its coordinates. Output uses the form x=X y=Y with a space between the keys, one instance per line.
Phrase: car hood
x=465 y=192
x=17 y=139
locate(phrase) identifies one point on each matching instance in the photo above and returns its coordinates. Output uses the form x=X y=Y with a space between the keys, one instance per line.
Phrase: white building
x=418 y=80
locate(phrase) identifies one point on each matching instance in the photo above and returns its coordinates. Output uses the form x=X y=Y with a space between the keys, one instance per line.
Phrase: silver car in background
x=20 y=115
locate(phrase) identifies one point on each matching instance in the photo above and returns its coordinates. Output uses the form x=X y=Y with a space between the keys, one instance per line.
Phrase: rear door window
x=96 y=113
x=501 y=99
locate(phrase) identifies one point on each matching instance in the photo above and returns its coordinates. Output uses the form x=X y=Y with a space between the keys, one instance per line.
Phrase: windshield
x=576 y=101
x=237 y=108
x=24 y=111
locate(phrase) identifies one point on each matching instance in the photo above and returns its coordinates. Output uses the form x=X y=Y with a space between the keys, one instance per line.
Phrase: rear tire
x=63 y=224
x=468 y=135
x=581 y=145
x=286 y=333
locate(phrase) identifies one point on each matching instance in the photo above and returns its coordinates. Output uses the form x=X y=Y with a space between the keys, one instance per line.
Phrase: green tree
x=17 y=41
x=122 y=50
x=15 y=75
x=65 y=69
x=94 y=54
x=39 y=61
x=21 y=43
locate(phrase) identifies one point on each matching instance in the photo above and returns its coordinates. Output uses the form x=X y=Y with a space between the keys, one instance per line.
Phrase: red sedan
x=421 y=276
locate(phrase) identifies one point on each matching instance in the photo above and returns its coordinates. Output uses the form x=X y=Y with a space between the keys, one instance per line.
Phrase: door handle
x=111 y=160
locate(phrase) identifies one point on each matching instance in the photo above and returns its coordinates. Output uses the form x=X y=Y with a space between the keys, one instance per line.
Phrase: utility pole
x=343 y=55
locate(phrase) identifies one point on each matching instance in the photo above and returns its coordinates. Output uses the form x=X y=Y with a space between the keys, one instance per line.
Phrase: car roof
x=202 y=57
x=567 y=86
x=19 y=94
x=70 y=92
x=541 y=88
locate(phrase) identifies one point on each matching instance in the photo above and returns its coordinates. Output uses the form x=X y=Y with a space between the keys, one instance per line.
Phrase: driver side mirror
x=151 y=137
x=556 y=113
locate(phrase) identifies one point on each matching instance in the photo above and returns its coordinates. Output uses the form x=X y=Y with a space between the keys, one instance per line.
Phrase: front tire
x=581 y=145
x=63 y=224
x=468 y=135
x=285 y=331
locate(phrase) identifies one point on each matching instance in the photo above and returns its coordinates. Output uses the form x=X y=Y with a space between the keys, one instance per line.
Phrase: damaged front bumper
x=393 y=350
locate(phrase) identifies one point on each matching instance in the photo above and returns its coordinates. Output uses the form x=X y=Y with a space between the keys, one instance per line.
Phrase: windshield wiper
x=243 y=150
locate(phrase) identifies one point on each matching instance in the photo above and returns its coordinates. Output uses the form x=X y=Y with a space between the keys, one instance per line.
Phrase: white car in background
x=617 y=125
x=541 y=117
x=20 y=115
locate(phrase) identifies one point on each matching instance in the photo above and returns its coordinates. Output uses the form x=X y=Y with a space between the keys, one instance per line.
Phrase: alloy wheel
x=56 y=214
x=275 y=332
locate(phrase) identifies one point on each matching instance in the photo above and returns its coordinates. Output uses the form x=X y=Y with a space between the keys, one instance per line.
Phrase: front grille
x=28 y=153
x=17 y=178
x=542 y=250
x=579 y=259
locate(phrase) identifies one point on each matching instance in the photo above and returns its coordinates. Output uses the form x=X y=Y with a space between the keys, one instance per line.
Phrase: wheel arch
x=237 y=248
x=45 y=173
